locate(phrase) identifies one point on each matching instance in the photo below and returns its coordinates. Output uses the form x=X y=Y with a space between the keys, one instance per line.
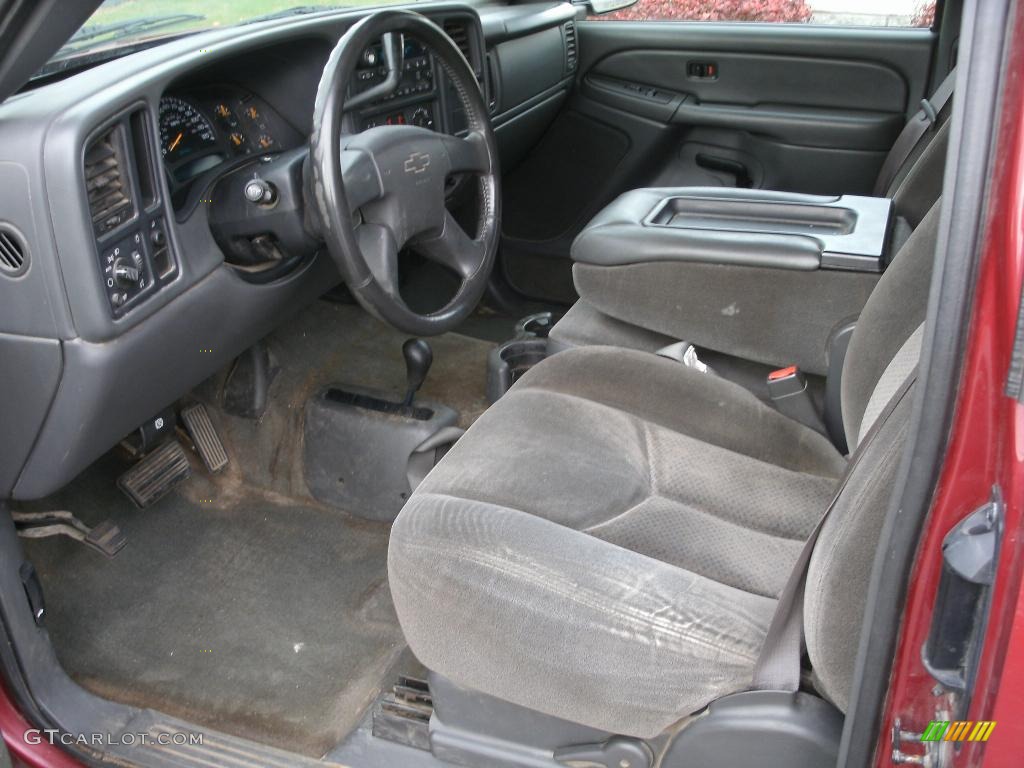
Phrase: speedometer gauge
x=184 y=130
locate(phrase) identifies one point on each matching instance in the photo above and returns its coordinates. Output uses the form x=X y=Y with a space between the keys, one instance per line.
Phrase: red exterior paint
x=987 y=448
x=13 y=727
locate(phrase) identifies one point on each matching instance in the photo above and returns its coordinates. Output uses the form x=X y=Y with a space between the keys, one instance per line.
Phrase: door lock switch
x=702 y=70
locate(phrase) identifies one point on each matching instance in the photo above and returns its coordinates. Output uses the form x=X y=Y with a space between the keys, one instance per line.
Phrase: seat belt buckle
x=787 y=388
x=785 y=382
x=686 y=353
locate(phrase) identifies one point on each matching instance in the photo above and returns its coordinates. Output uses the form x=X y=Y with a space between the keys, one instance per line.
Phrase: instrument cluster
x=204 y=126
x=199 y=130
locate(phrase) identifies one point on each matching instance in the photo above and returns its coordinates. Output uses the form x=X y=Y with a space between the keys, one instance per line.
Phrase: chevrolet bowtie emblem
x=417 y=162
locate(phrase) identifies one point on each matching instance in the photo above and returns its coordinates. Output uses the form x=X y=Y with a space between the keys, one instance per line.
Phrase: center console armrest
x=743 y=227
x=757 y=274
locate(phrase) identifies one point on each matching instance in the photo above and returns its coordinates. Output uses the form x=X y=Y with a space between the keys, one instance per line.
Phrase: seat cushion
x=584 y=326
x=606 y=543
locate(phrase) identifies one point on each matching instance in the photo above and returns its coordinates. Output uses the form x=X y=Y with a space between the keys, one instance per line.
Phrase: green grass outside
x=217 y=13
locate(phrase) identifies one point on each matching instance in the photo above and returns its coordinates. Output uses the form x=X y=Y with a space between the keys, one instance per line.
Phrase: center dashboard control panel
x=414 y=101
x=422 y=116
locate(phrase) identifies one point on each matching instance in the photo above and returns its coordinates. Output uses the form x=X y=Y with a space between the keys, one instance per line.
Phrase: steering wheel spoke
x=380 y=253
x=453 y=248
x=361 y=178
x=467 y=155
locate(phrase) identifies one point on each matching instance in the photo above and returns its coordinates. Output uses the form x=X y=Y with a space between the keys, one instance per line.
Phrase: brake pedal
x=106 y=538
x=204 y=436
x=156 y=474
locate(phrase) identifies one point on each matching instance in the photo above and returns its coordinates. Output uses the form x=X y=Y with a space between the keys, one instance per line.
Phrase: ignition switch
x=260 y=192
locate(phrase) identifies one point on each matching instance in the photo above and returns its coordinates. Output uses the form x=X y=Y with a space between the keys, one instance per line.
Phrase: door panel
x=765 y=78
x=778 y=106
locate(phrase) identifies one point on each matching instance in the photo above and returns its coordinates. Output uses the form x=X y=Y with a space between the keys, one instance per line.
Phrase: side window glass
x=858 y=13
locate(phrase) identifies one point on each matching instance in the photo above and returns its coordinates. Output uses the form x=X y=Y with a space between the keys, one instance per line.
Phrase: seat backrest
x=917 y=133
x=884 y=349
x=892 y=313
x=916 y=182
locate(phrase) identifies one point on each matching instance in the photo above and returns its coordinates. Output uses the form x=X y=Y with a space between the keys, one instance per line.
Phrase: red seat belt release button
x=787 y=382
x=783 y=373
x=788 y=390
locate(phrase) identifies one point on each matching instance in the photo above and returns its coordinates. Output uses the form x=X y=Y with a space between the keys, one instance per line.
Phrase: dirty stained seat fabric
x=606 y=543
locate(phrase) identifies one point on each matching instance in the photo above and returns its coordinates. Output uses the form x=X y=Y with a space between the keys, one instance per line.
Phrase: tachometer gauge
x=183 y=130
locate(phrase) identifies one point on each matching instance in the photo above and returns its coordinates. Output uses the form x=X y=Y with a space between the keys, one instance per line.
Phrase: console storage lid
x=743 y=227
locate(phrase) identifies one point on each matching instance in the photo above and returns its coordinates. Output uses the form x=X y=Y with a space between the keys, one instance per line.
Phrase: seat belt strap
x=778 y=664
x=923 y=121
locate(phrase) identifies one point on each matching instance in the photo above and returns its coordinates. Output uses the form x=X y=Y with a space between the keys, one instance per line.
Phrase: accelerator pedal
x=403 y=714
x=204 y=436
x=106 y=538
x=156 y=474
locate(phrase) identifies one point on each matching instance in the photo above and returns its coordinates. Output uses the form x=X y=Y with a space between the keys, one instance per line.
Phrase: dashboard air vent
x=13 y=253
x=570 y=47
x=457 y=31
x=106 y=182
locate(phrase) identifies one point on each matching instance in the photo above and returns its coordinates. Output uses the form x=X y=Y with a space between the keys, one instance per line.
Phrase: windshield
x=125 y=23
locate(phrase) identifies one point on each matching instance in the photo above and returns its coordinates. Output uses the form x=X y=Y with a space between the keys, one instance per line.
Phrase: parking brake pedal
x=106 y=538
x=204 y=436
x=156 y=474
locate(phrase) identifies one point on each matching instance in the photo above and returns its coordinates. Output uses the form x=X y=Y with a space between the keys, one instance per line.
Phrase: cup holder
x=507 y=362
x=537 y=326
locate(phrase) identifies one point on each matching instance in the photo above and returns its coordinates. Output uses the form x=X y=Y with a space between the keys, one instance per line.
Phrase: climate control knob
x=422 y=118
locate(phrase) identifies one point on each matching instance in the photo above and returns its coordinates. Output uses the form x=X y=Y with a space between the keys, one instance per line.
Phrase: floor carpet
x=261 y=619
x=240 y=602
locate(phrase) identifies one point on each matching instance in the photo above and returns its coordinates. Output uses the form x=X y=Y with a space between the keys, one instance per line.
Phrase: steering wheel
x=376 y=192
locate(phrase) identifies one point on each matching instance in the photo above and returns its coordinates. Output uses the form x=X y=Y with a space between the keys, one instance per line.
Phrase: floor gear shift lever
x=418 y=357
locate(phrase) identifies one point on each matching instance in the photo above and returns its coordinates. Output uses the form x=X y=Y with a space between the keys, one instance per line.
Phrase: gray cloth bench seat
x=606 y=543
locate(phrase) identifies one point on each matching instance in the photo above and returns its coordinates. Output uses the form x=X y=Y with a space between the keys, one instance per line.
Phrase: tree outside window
x=887 y=13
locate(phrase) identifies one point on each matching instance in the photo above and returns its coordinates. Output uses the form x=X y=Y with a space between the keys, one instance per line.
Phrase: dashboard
x=112 y=179
x=203 y=127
